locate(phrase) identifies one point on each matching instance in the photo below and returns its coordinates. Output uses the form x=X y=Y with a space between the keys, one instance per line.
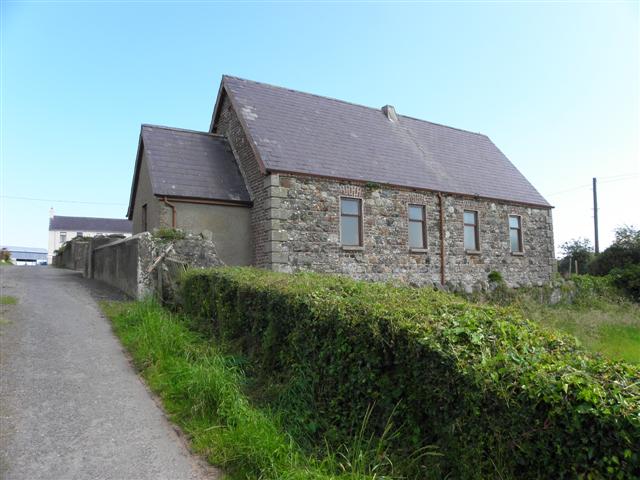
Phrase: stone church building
x=292 y=181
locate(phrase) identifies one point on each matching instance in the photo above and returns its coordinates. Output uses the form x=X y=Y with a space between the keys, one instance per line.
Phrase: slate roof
x=90 y=224
x=303 y=133
x=185 y=163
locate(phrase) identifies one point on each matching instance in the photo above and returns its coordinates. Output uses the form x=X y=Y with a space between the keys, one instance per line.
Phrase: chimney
x=390 y=113
x=51 y=213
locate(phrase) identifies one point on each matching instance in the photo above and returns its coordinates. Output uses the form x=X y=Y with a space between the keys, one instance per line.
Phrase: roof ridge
x=176 y=129
x=324 y=97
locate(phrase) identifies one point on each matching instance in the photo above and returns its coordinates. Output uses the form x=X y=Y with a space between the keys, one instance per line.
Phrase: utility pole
x=595 y=215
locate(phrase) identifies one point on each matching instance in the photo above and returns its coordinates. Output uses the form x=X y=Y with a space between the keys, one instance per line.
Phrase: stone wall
x=143 y=265
x=308 y=235
x=73 y=255
x=123 y=264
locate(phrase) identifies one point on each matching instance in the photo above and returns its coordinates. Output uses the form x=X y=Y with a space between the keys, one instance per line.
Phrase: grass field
x=610 y=329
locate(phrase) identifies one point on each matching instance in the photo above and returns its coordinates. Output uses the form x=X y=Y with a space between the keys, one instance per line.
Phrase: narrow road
x=71 y=406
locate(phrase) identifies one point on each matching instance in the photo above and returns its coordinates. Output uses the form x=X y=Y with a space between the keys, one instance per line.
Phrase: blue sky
x=554 y=84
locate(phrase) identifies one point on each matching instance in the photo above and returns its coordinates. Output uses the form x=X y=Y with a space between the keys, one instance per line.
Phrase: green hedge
x=498 y=396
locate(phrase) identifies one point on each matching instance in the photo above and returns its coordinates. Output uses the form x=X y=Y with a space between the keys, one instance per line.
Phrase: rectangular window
x=78 y=234
x=471 y=237
x=416 y=226
x=351 y=221
x=144 y=217
x=63 y=237
x=515 y=233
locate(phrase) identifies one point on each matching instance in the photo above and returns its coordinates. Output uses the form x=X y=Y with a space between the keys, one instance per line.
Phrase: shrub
x=495 y=277
x=169 y=234
x=497 y=395
x=627 y=279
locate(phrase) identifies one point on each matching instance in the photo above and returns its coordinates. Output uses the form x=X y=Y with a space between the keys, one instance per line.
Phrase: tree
x=624 y=251
x=576 y=250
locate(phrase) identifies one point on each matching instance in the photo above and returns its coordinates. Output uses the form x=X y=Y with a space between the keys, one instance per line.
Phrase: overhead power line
x=60 y=201
x=612 y=179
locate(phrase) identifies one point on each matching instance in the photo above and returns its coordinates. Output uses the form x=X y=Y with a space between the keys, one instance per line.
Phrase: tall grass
x=600 y=316
x=202 y=389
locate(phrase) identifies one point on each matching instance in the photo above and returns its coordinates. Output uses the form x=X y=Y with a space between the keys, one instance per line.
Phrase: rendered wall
x=144 y=195
x=229 y=226
x=123 y=264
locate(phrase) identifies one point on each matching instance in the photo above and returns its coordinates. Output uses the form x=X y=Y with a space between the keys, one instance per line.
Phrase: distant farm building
x=27 y=255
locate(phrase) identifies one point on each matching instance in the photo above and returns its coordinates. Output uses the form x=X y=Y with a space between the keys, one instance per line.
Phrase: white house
x=62 y=229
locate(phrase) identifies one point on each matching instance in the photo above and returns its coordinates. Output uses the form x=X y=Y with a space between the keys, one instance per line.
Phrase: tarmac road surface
x=71 y=405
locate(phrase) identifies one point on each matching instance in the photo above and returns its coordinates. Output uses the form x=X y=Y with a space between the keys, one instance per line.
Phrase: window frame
x=520 y=234
x=359 y=216
x=422 y=221
x=476 y=228
x=80 y=234
x=65 y=237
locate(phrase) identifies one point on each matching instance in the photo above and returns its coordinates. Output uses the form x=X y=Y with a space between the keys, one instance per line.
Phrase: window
x=144 y=217
x=471 y=237
x=416 y=227
x=515 y=233
x=351 y=221
x=78 y=234
x=63 y=237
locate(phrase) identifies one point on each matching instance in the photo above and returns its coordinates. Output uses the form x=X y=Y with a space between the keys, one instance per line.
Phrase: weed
x=169 y=234
x=8 y=300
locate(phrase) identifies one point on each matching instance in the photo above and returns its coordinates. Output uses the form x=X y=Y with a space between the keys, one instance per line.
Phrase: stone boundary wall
x=140 y=265
x=123 y=263
x=73 y=254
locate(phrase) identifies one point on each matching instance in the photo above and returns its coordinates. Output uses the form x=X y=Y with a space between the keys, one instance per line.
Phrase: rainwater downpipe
x=441 y=204
x=173 y=212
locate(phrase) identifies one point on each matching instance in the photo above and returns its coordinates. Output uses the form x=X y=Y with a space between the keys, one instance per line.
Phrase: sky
x=555 y=85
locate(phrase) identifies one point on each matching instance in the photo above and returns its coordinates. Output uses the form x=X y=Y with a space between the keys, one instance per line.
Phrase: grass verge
x=8 y=300
x=202 y=390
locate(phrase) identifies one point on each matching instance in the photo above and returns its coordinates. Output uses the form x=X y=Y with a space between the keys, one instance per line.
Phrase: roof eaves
x=182 y=130
x=216 y=200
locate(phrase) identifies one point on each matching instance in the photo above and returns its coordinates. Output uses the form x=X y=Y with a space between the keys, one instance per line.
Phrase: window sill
x=517 y=254
x=353 y=248
x=418 y=250
x=472 y=252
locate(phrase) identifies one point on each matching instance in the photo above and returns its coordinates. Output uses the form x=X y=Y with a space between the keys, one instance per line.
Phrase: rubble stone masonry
x=308 y=237
x=295 y=226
